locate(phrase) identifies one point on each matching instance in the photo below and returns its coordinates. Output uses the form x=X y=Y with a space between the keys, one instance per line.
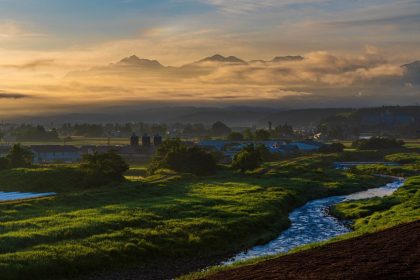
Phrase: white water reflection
x=11 y=196
x=311 y=223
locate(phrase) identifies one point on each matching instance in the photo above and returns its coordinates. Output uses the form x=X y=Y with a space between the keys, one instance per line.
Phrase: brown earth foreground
x=389 y=254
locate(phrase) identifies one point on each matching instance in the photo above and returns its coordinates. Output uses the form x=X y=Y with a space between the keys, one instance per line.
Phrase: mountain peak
x=135 y=61
x=223 y=59
x=412 y=72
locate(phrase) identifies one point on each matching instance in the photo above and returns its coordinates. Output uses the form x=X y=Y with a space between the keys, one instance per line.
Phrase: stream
x=312 y=223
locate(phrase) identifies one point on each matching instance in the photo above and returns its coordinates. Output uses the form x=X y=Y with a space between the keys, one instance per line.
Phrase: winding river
x=312 y=223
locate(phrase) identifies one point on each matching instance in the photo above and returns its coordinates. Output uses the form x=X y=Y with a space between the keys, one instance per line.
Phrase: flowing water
x=312 y=223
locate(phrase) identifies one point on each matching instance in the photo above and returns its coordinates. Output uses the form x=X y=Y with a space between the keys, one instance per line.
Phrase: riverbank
x=311 y=223
x=392 y=254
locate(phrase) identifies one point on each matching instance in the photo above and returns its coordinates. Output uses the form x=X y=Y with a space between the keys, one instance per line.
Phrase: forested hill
x=403 y=121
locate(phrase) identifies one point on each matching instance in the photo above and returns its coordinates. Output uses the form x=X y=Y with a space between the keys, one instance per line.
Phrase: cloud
x=318 y=69
x=249 y=6
x=10 y=30
x=31 y=65
x=11 y=95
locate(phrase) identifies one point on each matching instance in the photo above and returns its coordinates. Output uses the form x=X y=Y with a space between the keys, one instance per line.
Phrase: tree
x=191 y=160
x=175 y=155
x=105 y=167
x=284 y=130
x=265 y=153
x=248 y=135
x=19 y=157
x=248 y=158
x=220 y=129
x=34 y=133
x=235 y=136
x=261 y=135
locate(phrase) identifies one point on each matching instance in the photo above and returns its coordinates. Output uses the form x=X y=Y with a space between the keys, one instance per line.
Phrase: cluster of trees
x=106 y=130
x=251 y=157
x=377 y=143
x=218 y=129
x=96 y=169
x=279 y=132
x=27 y=132
x=394 y=121
x=175 y=155
x=100 y=169
x=18 y=157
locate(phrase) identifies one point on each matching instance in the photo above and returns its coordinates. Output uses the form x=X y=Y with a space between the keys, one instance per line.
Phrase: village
x=141 y=149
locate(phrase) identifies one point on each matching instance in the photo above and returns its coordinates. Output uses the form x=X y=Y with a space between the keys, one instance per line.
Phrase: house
x=91 y=149
x=55 y=154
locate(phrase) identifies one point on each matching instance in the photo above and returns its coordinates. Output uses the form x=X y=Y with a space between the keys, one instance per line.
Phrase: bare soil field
x=389 y=254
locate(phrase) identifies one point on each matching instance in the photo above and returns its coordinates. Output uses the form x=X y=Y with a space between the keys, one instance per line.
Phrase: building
x=134 y=140
x=55 y=154
x=157 y=140
x=146 y=140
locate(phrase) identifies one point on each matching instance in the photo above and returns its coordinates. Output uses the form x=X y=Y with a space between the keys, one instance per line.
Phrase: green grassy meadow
x=369 y=215
x=401 y=207
x=157 y=219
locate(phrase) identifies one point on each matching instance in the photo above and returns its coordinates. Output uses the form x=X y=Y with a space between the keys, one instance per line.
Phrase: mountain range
x=135 y=61
x=134 y=64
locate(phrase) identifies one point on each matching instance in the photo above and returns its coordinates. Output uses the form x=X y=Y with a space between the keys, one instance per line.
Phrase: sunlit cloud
x=351 y=49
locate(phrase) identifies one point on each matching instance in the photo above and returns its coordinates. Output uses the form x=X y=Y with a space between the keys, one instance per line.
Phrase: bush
x=175 y=155
x=4 y=163
x=333 y=148
x=235 y=136
x=404 y=158
x=377 y=143
x=102 y=168
x=266 y=155
x=262 y=135
x=249 y=158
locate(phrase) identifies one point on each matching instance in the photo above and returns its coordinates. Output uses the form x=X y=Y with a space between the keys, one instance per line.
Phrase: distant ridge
x=223 y=59
x=288 y=58
x=412 y=72
x=135 y=61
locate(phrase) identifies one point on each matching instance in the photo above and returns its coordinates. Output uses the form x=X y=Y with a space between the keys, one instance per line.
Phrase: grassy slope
x=401 y=207
x=156 y=219
x=370 y=215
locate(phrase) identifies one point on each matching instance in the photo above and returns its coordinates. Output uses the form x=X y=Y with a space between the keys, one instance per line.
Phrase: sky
x=350 y=49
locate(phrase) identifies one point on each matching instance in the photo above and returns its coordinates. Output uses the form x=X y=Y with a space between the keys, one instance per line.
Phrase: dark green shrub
x=249 y=158
x=377 y=143
x=175 y=155
x=103 y=168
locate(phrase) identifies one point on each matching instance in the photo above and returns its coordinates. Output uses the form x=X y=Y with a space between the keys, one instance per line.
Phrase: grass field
x=368 y=215
x=158 y=219
x=401 y=207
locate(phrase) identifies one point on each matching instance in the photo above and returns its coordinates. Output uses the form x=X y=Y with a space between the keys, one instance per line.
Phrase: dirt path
x=390 y=254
